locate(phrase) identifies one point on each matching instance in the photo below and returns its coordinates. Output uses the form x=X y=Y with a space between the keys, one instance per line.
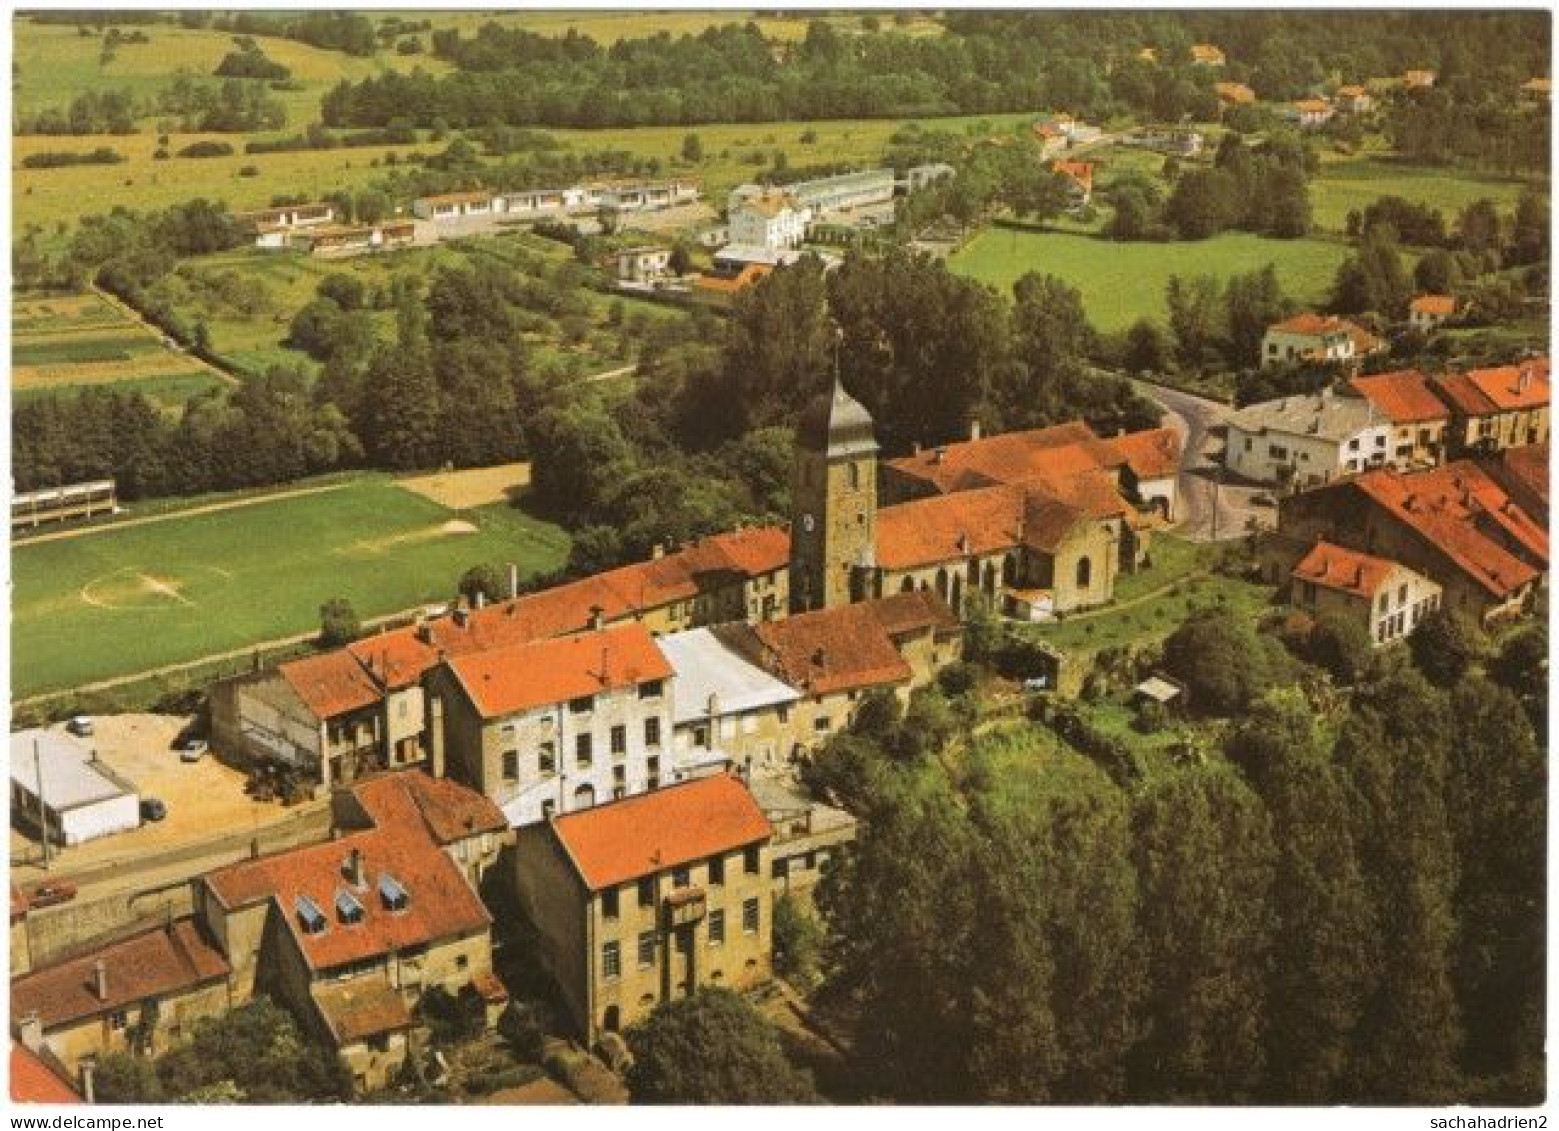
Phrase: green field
x=169 y=392
x=1122 y=282
x=1354 y=184
x=125 y=600
x=76 y=349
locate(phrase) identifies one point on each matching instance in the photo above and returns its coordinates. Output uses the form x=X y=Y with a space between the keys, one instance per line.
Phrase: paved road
x=1195 y=419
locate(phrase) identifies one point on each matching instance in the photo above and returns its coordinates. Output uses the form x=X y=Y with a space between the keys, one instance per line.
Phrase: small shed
x=1161 y=689
x=81 y=798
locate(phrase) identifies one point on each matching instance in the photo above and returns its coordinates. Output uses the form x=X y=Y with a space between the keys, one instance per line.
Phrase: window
x=118 y=1019
x=701 y=736
x=681 y=877
x=716 y=927
x=750 y=916
x=619 y=775
x=547 y=758
x=609 y=903
x=780 y=868
x=582 y=753
x=611 y=959
x=1353 y=445
x=647 y=892
x=511 y=765
x=619 y=740
x=1385 y=601
x=820 y=724
x=750 y=860
x=1084 y=572
x=653 y=767
x=651 y=689
x=462 y=961
x=784 y=712
x=583 y=705
x=646 y=949
x=1402 y=594
x=652 y=731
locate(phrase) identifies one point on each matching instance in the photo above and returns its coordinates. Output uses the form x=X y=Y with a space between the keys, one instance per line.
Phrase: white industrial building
x=80 y=798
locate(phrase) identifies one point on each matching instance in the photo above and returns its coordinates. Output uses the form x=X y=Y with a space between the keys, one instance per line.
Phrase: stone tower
x=833 y=488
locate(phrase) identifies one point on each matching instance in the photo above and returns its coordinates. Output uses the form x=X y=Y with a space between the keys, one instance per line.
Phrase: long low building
x=58 y=785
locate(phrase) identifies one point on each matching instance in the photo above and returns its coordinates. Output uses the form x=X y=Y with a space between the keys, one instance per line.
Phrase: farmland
x=1122 y=282
x=1350 y=184
x=63 y=343
x=202 y=583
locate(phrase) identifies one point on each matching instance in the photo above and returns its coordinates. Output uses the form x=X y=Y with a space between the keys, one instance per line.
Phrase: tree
x=1478 y=231
x=346 y=291
x=1220 y=659
x=1205 y=858
x=1203 y=203
x=401 y=422
x=480 y=581
x=1325 y=941
x=124 y=1078
x=1340 y=645
x=523 y=1025
x=1392 y=753
x=1147 y=348
x=798 y=943
x=1444 y=645
x=1436 y=272
x=260 y=1050
x=1522 y=668
x=692 y=149
x=1529 y=229
x=1194 y=316
x=1255 y=301
x=1497 y=786
x=1373 y=279
x=712 y=1048
x=338 y=623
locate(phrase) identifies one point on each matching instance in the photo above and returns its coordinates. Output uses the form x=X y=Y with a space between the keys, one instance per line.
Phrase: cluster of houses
x=614 y=754
x=1056 y=133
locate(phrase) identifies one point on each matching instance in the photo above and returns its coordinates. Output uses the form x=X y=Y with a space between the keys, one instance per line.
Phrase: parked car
x=191 y=749
x=47 y=895
x=152 y=809
x=80 y=725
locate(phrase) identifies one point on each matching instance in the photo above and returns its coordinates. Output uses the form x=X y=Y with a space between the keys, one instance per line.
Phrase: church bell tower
x=833 y=490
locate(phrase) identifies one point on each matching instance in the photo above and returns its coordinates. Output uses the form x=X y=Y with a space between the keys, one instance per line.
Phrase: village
x=661 y=759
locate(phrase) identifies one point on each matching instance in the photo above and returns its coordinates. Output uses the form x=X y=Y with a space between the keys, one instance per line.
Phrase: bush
x=52 y=159
x=523 y=1025
x=798 y=943
x=338 y=623
x=207 y=149
x=249 y=171
x=1112 y=755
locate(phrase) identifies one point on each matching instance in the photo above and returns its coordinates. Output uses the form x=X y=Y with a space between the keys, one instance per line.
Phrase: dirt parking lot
x=477 y=487
x=205 y=799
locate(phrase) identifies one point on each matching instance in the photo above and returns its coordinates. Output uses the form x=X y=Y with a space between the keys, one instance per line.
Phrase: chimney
x=658 y=551
x=597 y=614
x=425 y=632
x=714 y=705
x=1523 y=378
x=88 y=1086
x=974 y=429
x=100 y=979
x=820 y=657
x=939 y=455
x=436 y=737
x=461 y=616
x=963 y=543
x=514 y=581
x=352 y=869
x=29 y=1030
x=254 y=848
x=915 y=448
x=481 y=599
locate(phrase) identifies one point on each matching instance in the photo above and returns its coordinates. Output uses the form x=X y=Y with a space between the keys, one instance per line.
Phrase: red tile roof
x=1010 y=457
x=722 y=284
x=1079 y=171
x=906 y=613
x=509 y=680
x=449 y=811
x=666 y=828
x=947 y=527
x=1352 y=91
x=1433 y=304
x=34 y=1082
x=1151 y=454
x=1512 y=387
x=1313 y=324
x=1465 y=516
x=1347 y=571
x=1527 y=466
x=832 y=650
x=1404 y=396
x=156 y=964
x=332 y=683
x=441 y=904
x=1462 y=395
x=1236 y=92
x=360 y=1009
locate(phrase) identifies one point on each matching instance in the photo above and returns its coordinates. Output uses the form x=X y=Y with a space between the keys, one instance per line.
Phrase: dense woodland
x=1345 y=904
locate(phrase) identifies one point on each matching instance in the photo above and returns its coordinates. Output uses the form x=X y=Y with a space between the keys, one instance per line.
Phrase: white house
x=1426 y=312
x=58 y=784
x=1315 y=338
x=845 y=191
x=1306 y=440
x=773 y=220
x=453 y=206
x=641 y=264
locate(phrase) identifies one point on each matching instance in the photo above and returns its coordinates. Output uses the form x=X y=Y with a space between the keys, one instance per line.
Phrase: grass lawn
x=125 y=600
x=59 y=349
x=1122 y=282
x=1349 y=184
x=169 y=391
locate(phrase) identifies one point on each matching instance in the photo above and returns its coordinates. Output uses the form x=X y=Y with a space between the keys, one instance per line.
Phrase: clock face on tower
x=806 y=523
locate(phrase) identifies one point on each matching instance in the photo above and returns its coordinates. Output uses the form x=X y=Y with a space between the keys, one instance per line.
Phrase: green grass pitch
x=127 y=600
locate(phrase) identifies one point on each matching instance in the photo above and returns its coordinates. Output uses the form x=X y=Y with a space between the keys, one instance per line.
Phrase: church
x=1041 y=522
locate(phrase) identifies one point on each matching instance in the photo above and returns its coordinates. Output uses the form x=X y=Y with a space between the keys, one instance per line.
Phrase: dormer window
x=310 y=917
x=348 y=910
x=394 y=896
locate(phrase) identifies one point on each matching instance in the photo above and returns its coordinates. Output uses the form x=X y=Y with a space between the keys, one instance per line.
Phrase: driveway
x=1202 y=483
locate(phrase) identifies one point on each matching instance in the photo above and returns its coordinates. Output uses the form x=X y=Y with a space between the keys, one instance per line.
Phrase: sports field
x=135 y=598
x=1122 y=282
